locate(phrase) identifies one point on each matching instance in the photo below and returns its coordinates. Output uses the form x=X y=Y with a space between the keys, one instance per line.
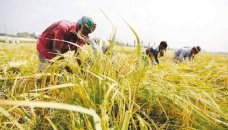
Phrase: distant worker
x=50 y=46
x=183 y=53
x=153 y=53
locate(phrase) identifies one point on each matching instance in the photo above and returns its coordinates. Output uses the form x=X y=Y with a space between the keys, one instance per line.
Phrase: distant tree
x=2 y=34
x=33 y=35
x=27 y=35
x=23 y=34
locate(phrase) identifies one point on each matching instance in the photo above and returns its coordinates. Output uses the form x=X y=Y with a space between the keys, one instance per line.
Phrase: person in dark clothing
x=153 y=53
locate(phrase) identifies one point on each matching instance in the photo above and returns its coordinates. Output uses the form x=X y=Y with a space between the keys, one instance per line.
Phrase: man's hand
x=57 y=45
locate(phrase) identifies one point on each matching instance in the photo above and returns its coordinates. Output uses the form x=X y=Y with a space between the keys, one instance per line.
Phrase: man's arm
x=57 y=45
x=59 y=33
x=181 y=56
x=56 y=49
x=93 y=44
x=190 y=58
x=156 y=58
x=151 y=55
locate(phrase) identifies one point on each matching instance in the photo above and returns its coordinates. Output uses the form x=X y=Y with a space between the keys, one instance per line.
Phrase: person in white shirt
x=183 y=53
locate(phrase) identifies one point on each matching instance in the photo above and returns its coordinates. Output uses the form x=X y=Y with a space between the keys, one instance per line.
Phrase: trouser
x=43 y=62
x=175 y=57
x=43 y=65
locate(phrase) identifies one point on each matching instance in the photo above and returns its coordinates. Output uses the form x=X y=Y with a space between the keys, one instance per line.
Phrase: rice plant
x=130 y=94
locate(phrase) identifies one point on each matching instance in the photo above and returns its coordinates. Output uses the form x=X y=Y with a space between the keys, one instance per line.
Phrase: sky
x=179 y=22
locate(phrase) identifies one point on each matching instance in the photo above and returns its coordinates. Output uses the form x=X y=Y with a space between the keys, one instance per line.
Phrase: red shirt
x=62 y=30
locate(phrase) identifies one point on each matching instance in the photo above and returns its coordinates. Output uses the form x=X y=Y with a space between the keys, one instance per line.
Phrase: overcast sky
x=179 y=22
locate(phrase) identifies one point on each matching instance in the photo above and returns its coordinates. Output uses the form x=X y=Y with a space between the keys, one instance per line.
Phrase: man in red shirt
x=51 y=41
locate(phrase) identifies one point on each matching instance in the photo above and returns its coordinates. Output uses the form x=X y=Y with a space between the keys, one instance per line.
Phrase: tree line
x=21 y=34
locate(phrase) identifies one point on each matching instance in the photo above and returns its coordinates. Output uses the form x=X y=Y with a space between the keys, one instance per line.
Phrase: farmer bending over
x=183 y=53
x=48 y=47
x=153 y=53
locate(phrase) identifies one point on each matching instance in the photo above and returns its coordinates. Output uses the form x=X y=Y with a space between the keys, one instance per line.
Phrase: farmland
x=130 y=94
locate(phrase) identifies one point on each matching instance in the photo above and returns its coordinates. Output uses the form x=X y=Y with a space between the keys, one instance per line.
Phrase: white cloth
x=43 y=63
x=99 y=44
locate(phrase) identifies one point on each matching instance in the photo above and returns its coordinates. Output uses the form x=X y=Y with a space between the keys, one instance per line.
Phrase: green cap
x=88 y=23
